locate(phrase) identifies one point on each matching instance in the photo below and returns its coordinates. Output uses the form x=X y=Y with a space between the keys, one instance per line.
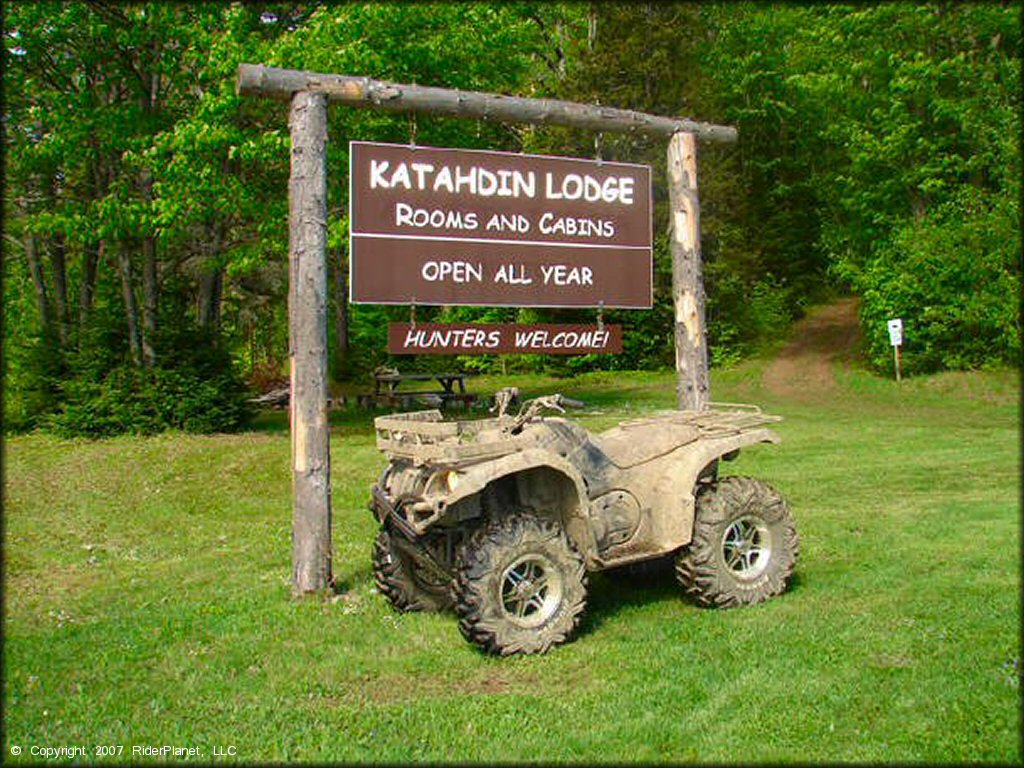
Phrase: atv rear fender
x=672 y=494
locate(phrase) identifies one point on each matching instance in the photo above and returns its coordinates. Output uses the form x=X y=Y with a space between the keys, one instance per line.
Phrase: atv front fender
x=544 y=482
x=475 y=478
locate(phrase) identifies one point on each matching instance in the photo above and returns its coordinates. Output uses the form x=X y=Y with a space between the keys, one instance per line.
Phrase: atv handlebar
x=532 y=408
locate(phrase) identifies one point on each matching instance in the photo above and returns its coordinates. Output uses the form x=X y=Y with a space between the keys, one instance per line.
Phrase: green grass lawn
x=147 y=602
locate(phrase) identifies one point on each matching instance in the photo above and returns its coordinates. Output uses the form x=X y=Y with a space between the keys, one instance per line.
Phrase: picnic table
x=447 y=380
x=387 y=383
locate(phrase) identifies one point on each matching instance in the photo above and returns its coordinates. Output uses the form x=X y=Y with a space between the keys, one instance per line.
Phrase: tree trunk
x=57 y=249
x=307 y=310
x=211 y=281
x=560 y=48
x=35 y=268
x=58 y=264
x=648 y=74
x=29 y=205
x=150 y=287
x=131 y=309
x=341 y=315
x=95 y=250
x=87 y=289
x=210 y=287
x=692 y=385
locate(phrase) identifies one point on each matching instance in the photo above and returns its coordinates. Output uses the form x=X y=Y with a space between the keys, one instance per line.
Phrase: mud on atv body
x=502 y=518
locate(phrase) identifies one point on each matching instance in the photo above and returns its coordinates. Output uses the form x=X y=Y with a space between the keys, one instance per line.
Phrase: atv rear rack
x=712 y=423
x=424 y=436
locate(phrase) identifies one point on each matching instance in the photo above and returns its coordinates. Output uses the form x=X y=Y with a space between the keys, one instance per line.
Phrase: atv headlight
x=451 y=481
x=444 y=482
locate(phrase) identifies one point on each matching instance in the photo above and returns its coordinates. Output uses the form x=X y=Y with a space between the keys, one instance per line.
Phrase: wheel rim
x=427 y=579
x=746 y=547
x=531 y=590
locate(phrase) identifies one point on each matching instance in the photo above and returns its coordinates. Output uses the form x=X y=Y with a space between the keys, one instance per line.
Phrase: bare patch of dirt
x=805 y=366
x=389 y=689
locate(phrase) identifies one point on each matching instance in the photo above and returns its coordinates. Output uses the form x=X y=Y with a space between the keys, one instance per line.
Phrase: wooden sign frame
x=308 y=94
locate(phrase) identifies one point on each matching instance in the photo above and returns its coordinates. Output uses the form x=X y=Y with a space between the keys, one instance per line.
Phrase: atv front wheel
x=520 y=587
x=744 y=544
x=408 y=586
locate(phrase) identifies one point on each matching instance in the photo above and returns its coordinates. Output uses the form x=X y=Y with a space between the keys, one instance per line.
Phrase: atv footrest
x=386 y=511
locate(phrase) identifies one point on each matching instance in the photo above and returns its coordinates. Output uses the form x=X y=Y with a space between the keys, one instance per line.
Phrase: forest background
x=145 y=203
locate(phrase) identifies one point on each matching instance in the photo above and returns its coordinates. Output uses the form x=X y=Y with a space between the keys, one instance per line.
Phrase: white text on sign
x=479 y=182
x=562 y=275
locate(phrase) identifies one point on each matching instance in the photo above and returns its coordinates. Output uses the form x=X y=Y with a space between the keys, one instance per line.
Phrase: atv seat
x=634 y=443
x=640 y=440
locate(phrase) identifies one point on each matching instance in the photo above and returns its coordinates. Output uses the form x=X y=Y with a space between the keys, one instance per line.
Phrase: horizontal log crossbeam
x=258 y=80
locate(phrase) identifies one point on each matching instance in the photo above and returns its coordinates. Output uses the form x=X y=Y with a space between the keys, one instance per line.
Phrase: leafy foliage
x=144 y=197
x=881 y=144
x=954 y=277
x=194 y=388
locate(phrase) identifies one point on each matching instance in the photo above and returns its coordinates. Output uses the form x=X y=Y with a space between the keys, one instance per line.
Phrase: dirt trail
x=804 y=367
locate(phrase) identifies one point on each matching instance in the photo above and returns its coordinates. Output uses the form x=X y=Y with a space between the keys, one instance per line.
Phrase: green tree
x=90 y=87
x=921 y=125
x=867 y=130
x=141 y=181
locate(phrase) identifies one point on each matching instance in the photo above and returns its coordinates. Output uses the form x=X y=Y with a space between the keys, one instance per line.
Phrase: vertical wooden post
x=692 y=385
x=307 y=320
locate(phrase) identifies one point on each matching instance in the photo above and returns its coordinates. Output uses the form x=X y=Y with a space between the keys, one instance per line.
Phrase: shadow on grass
x=350 y=581
x=642 y=584
x=629 y=586
x=350 y=420
x=796 y=582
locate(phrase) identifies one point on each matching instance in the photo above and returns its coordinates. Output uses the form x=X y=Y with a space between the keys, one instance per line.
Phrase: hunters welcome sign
x=453 y=226
x=502 y=339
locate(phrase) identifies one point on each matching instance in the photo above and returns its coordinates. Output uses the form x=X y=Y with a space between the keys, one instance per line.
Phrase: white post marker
x=896 y=339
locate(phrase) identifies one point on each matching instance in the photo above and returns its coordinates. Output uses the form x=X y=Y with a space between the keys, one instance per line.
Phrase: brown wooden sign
x=502 y=339
x=451 y=226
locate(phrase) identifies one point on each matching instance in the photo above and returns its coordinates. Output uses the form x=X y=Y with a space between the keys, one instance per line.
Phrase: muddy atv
x=502 y=518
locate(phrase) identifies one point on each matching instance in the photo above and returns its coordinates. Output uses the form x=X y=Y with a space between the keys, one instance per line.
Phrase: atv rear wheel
x=520 y=587
x=744 y=544
x=408 y=586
